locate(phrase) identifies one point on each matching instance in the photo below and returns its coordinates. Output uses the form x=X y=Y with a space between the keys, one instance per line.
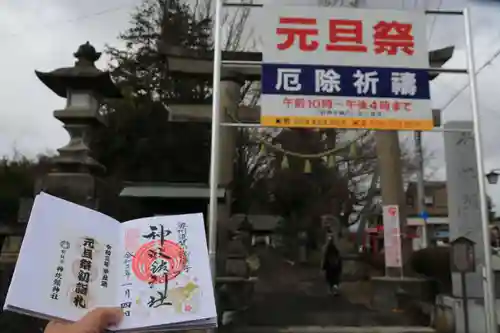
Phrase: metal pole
x=257 y=125
x=248 y=64
x=465 y=301
x=487 y=295
x=490 y=308
x=421 y=186
x=260 y=5
x=215 y=145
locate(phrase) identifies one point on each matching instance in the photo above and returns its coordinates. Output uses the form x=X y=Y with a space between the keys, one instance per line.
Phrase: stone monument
x=465 y=216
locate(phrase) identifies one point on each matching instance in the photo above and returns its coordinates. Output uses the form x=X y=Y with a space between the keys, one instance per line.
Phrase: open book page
x=166 y=275
x=67 y=261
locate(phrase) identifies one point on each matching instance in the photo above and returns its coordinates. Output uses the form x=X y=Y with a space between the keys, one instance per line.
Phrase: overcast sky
x=43 y=35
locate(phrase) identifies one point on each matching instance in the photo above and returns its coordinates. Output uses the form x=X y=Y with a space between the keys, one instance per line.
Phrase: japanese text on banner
x=345 y=36
x=348 y=68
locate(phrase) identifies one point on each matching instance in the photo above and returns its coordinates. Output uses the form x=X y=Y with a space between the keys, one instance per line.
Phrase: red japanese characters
x=308 y=29
x=390 y=37
x=348 y=105
x=344 y=35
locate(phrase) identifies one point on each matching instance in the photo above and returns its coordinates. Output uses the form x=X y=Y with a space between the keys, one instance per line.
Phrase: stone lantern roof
x=83 y=76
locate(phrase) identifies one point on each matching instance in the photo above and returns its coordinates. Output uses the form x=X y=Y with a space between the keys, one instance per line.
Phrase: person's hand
x=96 y=321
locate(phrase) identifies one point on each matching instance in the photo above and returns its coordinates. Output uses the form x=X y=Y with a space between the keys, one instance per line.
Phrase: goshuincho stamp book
x=74 y=259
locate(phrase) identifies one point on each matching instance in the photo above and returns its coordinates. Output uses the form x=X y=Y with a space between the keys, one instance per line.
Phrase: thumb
x=100 y=319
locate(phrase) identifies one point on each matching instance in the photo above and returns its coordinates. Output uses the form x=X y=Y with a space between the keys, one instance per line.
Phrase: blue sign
x=345 y=81
x=424 y=215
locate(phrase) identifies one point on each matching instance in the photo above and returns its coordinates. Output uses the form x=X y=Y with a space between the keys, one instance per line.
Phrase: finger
x=54 y=325
x=100 y=319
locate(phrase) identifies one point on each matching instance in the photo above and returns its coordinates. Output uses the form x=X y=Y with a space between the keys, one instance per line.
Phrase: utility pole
x=421 y=186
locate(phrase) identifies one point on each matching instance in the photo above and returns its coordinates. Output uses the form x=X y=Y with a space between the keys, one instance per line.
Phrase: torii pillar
x=188 y=63
x=230 y=97
x=391 y=182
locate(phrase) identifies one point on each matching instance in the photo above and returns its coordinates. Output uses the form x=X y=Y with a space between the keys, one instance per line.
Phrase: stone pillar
x=233 y=289
x=465 y=219
x=84 y=86
x=230 y=99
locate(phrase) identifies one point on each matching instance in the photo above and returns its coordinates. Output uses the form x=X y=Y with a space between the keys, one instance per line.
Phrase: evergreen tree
x=17 y=179
x=140 y=143
x=144 y=69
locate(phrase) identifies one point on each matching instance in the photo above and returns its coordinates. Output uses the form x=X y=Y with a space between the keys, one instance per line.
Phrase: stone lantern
x=84 y=87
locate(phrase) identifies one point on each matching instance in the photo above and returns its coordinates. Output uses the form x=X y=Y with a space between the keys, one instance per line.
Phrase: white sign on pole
x=392 y=236
x=345 y=68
